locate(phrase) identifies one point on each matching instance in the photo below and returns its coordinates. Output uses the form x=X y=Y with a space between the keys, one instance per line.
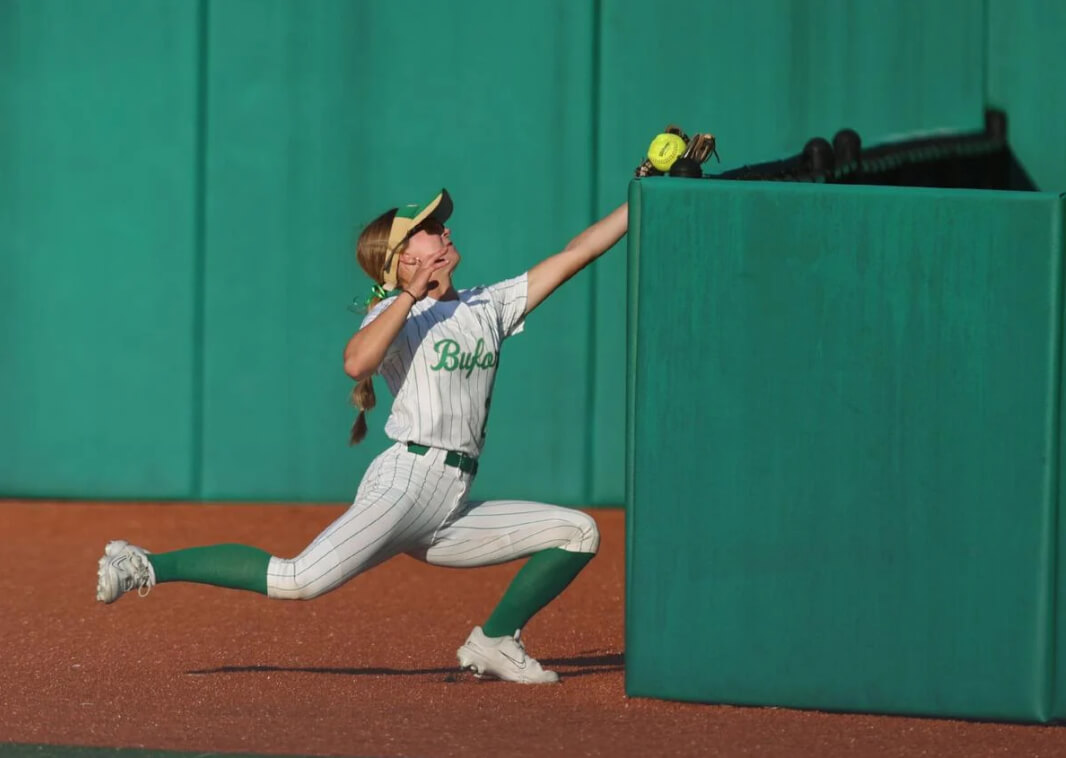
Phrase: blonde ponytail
x=364 y=399
x=370 y=250
x=363 y=396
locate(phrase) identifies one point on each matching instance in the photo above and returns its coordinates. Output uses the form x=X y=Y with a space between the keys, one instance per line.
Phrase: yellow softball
x=664 y=150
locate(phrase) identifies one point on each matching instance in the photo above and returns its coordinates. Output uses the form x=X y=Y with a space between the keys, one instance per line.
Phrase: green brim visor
x=406 y=221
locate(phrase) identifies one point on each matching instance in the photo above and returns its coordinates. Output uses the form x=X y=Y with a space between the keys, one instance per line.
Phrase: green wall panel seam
x=594 y=159
x=986 y=53
x=633 y=276
x=196 y=415
x=1054 y=458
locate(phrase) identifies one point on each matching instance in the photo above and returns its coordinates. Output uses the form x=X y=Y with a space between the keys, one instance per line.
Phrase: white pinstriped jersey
x=442 y=365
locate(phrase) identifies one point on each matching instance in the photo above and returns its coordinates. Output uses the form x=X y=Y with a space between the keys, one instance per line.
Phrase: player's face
x=432 y=240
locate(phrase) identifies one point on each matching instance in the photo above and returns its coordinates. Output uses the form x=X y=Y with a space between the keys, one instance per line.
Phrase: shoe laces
x=142 y=574
x=516 y=639
x=533 y=663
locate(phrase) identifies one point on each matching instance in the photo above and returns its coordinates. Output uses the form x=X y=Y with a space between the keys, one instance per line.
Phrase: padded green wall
x=764 y=77
x=1027 y=78
x=246 y=142
x=1057 y=687
x=322 y=115
x=178 y=332
x=98 y=114
x=846 y=446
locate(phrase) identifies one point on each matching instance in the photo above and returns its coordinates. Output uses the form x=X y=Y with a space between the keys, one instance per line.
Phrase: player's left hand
x=699 y=148
x=421 y=280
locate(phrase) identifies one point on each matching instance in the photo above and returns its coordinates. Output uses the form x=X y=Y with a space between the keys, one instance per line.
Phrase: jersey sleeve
x=392 y=353
x=376 y=311
x=509 y=298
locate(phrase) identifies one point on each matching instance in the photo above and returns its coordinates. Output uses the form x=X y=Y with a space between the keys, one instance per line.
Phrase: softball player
x=438 y=349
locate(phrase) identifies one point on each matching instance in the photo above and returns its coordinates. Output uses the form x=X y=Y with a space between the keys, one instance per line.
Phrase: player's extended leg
x=125 y=567
x=400 y=502
x=559 y=543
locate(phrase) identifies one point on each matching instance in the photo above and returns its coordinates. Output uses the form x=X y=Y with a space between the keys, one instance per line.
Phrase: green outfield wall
x=181 y=182
x=98 y=264
x=845 y=448
x=1027 y=78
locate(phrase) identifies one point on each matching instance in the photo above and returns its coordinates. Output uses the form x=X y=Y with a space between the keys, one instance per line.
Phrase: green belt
x=461 y=461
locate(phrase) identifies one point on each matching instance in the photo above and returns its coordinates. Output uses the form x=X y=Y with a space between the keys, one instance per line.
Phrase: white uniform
x=441 y=368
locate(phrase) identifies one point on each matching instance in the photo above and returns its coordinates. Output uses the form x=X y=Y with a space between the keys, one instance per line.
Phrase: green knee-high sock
x=544 y=576
x=239 y=567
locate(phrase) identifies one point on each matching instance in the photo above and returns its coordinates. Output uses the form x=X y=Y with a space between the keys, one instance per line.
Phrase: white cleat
x=123 y=567
x=502 y=657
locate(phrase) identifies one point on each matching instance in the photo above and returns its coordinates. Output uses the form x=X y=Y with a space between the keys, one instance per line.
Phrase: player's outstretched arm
x=546 y=276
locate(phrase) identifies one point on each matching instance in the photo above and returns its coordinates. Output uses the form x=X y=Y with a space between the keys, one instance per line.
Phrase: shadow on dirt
x=584 y=664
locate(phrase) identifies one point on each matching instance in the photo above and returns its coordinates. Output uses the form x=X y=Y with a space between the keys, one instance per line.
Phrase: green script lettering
x=450 y=357
x=448 y=350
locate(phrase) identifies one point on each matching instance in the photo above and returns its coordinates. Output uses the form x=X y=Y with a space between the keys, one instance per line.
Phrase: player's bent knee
x=587 y=537
x=285 y=582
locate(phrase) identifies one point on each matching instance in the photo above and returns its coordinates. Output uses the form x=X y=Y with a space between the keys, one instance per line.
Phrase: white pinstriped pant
x=415 y=504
